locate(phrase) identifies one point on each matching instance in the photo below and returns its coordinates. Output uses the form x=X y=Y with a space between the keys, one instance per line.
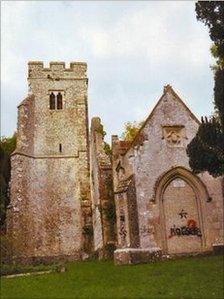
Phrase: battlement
x=57 y=70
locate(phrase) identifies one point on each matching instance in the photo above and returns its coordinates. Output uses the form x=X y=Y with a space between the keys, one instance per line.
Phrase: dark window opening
x=60 y=147
x=122 y=218
x=52 y=101
x=59 y=101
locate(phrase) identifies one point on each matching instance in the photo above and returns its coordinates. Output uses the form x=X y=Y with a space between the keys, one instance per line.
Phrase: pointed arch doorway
x=180 y=195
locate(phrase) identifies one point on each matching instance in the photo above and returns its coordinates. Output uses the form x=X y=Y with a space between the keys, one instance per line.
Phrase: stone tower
x=50 y=212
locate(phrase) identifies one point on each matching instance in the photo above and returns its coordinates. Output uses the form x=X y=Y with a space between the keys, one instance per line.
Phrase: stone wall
x=101 y=192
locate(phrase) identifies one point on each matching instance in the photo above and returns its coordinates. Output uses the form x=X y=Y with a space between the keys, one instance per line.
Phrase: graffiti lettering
x=190 y=229
x=183 y=214
x=123 y=231
x=185 y=231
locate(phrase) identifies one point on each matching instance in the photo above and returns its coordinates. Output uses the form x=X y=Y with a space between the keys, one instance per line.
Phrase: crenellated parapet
x=57 y=70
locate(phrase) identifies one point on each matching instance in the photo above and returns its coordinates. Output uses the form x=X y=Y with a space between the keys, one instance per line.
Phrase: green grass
x=200 y=277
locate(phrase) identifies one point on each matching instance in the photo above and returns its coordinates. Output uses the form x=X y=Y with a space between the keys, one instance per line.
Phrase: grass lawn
x=198 y=277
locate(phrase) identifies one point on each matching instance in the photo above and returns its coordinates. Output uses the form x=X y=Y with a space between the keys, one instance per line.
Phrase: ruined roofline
x=166 y=89
x=120 y=146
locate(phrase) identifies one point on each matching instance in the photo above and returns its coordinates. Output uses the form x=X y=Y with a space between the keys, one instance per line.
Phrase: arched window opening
x=181 y=197
x=52 y=101
x=59 y=101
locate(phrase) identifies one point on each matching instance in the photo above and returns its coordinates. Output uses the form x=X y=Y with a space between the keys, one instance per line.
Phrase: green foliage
x=107 y=149
x=219 y=60
x=5 y=250
x=110 y=212
x=199 y=277
x=101 y=131
x=7 y=146
x=131 y=129
x=205 y=151
x=4 y=200
x=211 y=13
x=219 y=95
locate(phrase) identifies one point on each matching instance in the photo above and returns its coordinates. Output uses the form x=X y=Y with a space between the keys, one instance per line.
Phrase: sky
x=132 y=48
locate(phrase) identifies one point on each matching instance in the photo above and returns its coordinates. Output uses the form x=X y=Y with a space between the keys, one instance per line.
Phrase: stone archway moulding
x=182 y=173
x=201 y=192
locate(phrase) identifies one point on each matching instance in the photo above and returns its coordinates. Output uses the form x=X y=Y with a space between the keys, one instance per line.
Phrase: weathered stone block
x=136 y=256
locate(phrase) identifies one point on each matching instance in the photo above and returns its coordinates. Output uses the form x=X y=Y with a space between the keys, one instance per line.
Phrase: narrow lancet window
x=60 y=147
x=59 y=101
x=52 y=101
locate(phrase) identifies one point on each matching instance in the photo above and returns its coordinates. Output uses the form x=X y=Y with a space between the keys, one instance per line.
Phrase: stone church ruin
x=70 y=200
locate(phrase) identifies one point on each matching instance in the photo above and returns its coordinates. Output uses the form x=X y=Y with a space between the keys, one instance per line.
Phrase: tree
x=7 y=146
x=219 y=60
x=131 y=130
x=211 y=13
x=206 y=150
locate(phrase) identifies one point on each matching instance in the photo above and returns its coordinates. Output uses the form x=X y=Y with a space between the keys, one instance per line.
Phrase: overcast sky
x=132 y=48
